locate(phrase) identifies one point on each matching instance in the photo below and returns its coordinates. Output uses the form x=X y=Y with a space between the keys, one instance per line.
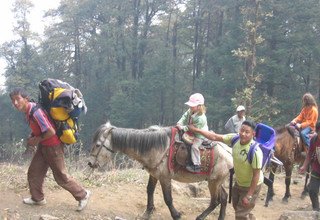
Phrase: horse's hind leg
x=270 y=192
x=167 y=195
x=150 y=191
x=218 y=196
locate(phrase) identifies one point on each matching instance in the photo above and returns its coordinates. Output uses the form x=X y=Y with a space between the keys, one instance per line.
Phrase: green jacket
x=199 y=121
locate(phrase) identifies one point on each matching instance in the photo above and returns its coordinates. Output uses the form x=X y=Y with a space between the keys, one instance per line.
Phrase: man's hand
x=33 y=141
x=30 y=150
x=246 y=201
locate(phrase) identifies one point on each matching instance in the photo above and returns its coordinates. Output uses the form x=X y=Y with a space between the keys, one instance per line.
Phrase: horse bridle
x=101 y=146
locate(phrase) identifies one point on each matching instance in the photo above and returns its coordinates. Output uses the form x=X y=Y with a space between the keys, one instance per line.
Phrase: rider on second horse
x=306 y=121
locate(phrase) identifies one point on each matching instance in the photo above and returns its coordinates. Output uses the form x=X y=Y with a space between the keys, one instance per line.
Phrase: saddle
x=295 y=133
x=180 y=154
x=293 y=130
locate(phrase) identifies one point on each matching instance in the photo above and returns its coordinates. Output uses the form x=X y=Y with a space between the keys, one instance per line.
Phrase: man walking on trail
x=49 y=153
x=249 y=176
x=234 y=123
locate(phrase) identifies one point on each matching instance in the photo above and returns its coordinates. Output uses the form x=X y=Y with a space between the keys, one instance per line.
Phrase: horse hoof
x=303 y=196
x=147 y=214
x=177 y=216
x=285 y=200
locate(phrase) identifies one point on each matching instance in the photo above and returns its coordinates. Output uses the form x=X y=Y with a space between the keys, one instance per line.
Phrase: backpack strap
x=234 y=140
x=33 y=110
x=38 y=106
x=252 y=150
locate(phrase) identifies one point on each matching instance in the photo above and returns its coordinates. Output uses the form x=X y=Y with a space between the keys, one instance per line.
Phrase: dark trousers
x=52 y=157
x=314 y=190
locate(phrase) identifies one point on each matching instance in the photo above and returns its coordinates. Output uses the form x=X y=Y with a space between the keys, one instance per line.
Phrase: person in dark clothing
x=312 y=159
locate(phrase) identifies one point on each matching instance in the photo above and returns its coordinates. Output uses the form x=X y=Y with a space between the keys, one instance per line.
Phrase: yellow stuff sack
x=67 y=132
x=68 y=136
x=59 y=113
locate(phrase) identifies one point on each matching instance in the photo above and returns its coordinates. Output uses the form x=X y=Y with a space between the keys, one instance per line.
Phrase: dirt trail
x=127 y=200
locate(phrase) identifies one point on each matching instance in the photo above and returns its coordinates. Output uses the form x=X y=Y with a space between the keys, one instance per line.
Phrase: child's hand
x=191 y=127
x=298 y=125
x=180 y=127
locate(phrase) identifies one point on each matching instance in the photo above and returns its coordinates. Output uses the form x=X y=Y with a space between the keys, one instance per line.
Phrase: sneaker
x=193 y=168
x=83 y=202
x=30 y=201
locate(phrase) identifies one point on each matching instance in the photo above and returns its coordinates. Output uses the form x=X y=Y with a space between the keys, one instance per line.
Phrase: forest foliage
x=138 y=61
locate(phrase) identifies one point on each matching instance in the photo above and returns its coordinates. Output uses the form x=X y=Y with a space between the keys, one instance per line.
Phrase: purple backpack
x=264 y=139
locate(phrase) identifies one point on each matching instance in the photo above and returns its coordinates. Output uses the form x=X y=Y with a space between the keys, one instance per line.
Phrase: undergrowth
x=13 y=172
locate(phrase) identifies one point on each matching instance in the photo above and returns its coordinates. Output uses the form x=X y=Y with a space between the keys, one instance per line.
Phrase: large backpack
x=63 y=104
x=264 y=139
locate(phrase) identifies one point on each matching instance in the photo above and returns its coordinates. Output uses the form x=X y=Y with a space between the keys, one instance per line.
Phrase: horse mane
x=100 y=130
x=140 y=140
x=280 y=130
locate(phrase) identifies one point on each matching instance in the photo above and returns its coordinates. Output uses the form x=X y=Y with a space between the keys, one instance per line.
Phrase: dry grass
x=14 y=175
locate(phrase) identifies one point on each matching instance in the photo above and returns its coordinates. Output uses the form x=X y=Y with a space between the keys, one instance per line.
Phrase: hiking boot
x=193 y=168
x=83 y=202
x=30 y=201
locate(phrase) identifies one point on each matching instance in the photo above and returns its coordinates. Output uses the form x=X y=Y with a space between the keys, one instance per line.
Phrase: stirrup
x=298 y=139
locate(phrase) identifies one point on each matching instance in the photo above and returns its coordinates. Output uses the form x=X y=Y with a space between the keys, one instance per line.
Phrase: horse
x=151 y=147
x=289 y=152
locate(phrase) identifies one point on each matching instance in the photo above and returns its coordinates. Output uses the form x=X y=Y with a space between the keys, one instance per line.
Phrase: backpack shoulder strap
x=252 y=150
x=234 y=140
x=33 y=110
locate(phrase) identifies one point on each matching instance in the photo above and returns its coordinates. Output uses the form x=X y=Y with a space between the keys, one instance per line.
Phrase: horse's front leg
x=287 y=195
x=270 y=192
x=167 y=195
x=150 y=191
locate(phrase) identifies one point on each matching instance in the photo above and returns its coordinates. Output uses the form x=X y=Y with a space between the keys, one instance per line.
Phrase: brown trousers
x=241 y=212
x=52 y=157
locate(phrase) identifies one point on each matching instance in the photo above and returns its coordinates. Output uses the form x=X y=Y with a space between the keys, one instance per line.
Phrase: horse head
x=101 y=147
